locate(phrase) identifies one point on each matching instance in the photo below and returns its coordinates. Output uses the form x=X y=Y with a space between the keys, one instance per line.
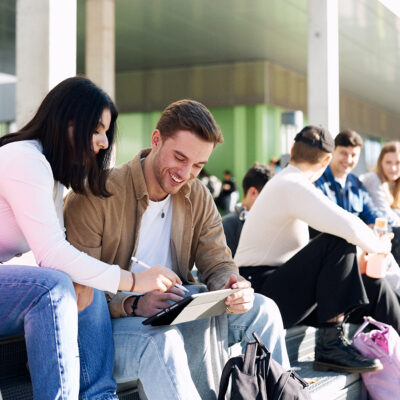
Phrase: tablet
x=195 y=306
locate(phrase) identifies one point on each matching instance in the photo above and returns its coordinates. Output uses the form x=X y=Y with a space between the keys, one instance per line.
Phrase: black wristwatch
x=135 y=304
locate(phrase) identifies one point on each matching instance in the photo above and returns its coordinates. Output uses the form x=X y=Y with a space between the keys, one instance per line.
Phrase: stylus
x=135 y=260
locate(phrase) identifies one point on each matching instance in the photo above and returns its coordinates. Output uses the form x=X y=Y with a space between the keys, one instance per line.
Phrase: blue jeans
x=264 y=319
x=157 y=357
x=41 y=302
x=96 y=350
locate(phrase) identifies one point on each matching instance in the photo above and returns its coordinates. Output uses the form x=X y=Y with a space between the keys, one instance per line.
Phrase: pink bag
x=382 y=343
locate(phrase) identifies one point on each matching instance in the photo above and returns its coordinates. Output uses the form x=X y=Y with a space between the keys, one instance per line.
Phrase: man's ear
x=326 y=160
x=156 y=139
x=254 y=192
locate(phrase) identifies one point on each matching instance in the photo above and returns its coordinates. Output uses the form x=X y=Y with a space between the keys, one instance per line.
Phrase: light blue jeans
x=41 y=302
x=96 y=350
x=157 y=357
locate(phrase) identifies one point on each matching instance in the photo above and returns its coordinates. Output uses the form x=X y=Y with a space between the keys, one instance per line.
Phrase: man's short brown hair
x=307 y=149
x=348 y=138
x=189 y=115
x=257 y=176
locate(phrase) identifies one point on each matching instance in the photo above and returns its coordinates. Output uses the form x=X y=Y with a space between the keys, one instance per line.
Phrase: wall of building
x=244 y=84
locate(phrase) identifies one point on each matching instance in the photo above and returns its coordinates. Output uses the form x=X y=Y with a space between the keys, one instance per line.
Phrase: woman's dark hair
x=79 y=103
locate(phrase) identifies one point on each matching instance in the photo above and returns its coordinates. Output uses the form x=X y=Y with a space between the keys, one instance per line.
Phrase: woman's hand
x=156 y=278
x=84 y=296
x=386 y=242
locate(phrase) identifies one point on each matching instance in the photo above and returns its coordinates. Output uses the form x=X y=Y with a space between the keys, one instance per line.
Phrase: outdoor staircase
x=15 y=382
x=300 y=342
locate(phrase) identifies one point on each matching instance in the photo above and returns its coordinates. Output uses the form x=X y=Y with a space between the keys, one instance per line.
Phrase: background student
x=313 y=282
x=348 y=192
x=254 y=180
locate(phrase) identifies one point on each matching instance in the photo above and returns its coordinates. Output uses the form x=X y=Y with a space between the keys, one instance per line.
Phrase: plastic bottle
x=381 y=226
x=377 y=263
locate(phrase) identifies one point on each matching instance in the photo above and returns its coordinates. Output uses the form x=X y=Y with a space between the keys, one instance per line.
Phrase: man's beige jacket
x=108 y=228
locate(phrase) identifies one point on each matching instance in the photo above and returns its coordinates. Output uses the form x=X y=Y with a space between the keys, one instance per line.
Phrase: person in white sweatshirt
x=67 y=143
x=313 y=282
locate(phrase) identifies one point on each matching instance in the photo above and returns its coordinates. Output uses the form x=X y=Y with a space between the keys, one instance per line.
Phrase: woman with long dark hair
x=67 y=143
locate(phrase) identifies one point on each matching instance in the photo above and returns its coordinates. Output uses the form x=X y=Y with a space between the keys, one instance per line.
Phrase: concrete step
x=15 y=382
x=300 y=343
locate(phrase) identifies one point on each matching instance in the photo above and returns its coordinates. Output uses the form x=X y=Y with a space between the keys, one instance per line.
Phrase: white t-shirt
x=154 y=245
x=31 y=209
x=341 y=181
x=276 y=227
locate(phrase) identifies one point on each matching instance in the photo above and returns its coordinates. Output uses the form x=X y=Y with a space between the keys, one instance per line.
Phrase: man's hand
x=84 y=296
x=242 y=300
x=153 y=302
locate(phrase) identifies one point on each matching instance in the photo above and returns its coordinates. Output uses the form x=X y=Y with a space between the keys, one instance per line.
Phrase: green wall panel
x=222 y=157
x=134 y=133
x=3 y=128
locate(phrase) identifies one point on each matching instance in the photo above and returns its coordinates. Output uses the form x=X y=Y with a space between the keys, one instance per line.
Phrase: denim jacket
x=108 y=228
x=353 y=197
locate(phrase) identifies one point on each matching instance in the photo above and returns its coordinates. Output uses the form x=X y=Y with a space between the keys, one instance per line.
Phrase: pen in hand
x=135 y=260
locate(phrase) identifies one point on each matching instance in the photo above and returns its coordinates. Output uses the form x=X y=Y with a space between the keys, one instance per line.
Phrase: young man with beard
x=161 y=214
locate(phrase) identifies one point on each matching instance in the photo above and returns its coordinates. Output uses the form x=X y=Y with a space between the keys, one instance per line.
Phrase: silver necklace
x=161 y=208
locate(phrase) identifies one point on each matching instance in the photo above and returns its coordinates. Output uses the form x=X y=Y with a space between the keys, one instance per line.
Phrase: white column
x=46 y=50
x=100 y=44
x=323 y=64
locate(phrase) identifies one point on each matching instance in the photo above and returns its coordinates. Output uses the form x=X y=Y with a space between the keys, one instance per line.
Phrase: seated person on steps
x=254 y=180
x=160 y=214
x=313 y=282
x=347 y=191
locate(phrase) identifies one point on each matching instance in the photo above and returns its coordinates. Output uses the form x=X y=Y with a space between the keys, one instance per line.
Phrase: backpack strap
x=226 y=374
x=249 y=365
x=249 y=362
x=260 y=343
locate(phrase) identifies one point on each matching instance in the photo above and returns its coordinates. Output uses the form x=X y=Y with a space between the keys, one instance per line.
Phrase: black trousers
x=318 y=283
x=384 y=303
x=396 y=244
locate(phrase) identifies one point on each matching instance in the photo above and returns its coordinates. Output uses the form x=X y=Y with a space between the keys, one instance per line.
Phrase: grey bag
x=257 y=376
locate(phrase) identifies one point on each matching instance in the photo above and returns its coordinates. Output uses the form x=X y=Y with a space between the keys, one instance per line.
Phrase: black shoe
x=334 y=353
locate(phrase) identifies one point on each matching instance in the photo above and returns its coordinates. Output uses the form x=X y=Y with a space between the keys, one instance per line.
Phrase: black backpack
x=256 y=376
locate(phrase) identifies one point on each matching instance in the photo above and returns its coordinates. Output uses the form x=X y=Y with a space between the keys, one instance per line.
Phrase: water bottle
x=381 y=227
x=377 y=263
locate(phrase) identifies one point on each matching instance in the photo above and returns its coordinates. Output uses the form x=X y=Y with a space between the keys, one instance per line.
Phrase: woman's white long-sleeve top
x=31 y=218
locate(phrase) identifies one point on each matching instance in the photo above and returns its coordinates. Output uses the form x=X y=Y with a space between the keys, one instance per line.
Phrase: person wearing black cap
x=313 y=282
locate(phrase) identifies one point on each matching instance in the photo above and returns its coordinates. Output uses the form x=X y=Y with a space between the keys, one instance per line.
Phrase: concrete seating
x=15 y=382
